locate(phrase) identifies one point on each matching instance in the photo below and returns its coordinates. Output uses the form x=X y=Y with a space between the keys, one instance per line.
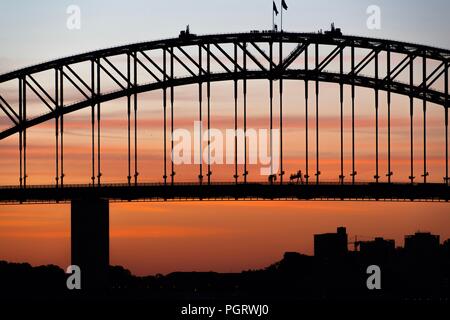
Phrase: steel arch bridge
x=190 y=59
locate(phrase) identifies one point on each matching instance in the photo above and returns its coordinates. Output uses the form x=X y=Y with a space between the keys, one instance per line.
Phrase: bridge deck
x=227 y=191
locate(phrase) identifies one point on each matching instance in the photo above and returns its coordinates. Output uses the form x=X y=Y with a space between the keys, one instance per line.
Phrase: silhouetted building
x=377 y=249
x=422 y=244
x=446 y=247
x=331 y=245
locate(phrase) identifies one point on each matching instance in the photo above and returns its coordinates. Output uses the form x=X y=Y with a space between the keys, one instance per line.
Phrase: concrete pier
x=90 y=241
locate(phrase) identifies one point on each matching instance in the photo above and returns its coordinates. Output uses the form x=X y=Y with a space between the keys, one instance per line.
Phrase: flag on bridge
x=283 y=7
x=275 y=9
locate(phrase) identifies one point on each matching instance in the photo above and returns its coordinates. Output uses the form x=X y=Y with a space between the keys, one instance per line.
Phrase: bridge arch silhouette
x=189 y=59
x=273 y=66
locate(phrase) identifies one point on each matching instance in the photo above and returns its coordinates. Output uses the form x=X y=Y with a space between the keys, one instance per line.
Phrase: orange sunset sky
x=153 y=238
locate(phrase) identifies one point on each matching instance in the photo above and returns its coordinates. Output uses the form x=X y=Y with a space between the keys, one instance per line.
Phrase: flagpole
x=281 y=6
x=273 y=19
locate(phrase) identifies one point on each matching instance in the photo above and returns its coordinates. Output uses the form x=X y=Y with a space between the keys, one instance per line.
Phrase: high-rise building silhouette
x=422 y=244
x=331 y=245
x=379 y=248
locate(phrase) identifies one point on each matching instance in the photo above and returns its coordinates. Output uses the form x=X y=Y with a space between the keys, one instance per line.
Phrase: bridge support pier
x=90 y=241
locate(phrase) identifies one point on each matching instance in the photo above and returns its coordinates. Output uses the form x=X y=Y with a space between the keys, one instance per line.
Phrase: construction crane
x=357 y=243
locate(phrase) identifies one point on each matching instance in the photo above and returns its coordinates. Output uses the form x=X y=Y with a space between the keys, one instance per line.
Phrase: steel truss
x=166 y=64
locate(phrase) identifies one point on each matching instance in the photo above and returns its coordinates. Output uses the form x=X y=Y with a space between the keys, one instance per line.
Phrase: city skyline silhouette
x=336 y=272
